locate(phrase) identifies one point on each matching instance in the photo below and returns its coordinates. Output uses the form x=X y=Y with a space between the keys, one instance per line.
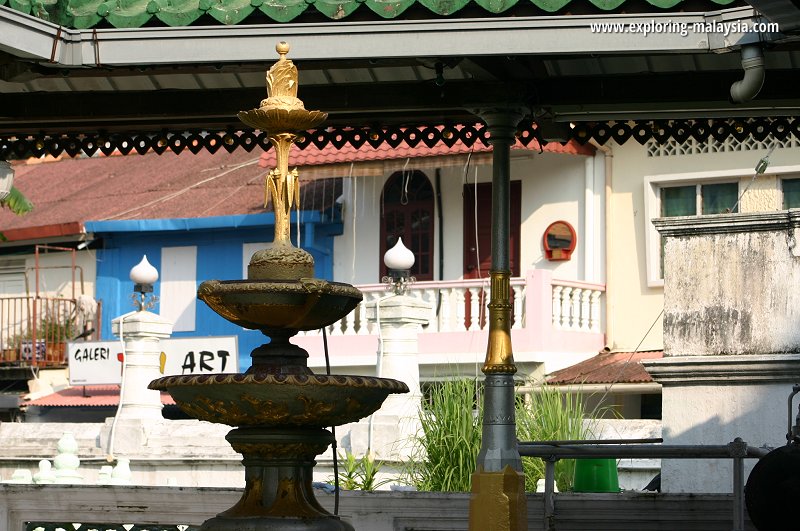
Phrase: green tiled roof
x=81 y=14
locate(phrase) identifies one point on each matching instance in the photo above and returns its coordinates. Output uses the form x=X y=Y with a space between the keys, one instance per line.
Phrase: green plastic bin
x=596 y=475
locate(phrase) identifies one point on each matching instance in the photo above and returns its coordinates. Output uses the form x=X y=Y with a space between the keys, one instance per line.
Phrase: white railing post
x=519 y=305
x=432 y=299
x=557 y=306
x=461 y=310
x=575 y=309
x=350 y=324
x=444 y=314
x=566 y=307
x=336 y=328
x=474 y=308
x=585 y=309
x=594 y=312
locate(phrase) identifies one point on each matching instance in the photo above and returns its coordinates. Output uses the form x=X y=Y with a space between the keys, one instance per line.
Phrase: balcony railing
x=34 y=330
x=548 y=315
x=575 y=305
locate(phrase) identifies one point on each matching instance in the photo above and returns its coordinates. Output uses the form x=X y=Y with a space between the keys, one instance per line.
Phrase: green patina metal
x=82 y=14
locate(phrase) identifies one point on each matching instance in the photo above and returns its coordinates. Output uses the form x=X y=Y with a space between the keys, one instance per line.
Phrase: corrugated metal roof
x=607 y=368
x=91 y=13
x=87 y=396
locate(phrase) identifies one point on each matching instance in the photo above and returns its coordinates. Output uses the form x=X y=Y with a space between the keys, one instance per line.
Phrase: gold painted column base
x=498 y=501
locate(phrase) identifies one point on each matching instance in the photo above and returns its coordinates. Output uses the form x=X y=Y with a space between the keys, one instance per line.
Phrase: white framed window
x=685 y=194
x=790 y=192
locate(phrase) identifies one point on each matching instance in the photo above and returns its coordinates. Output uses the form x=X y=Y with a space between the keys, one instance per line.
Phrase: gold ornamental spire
x=282 y=116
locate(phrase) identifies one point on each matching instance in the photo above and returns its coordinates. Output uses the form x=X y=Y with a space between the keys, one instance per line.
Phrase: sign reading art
x=100 y=362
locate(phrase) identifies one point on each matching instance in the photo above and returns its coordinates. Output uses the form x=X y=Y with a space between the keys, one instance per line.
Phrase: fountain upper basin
x=303 y=304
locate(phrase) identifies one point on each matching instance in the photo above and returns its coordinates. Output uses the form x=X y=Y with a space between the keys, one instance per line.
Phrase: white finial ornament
x=144 y=273
x=399 y=257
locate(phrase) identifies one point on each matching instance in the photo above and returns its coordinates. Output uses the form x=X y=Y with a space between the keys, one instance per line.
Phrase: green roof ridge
x=83 y=14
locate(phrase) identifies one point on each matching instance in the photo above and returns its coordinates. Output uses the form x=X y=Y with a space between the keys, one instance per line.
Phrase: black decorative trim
x=14 y=147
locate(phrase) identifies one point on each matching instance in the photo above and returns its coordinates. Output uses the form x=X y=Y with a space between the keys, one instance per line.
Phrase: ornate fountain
x=279 y=408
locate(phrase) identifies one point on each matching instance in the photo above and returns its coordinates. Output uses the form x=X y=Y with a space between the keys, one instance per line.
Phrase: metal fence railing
x=34 y=330
x=552 y=451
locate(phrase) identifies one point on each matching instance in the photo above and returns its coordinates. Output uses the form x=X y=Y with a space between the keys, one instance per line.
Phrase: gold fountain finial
x=282 y=115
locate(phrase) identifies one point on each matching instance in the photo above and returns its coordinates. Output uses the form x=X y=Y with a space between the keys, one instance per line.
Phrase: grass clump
x=447 y=444
x=550 y=416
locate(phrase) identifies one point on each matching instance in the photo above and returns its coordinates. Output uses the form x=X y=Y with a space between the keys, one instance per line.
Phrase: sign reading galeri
x=100 y=362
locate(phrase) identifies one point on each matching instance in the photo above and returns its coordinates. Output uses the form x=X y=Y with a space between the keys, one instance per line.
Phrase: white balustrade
x=350 y=323
x=361 y=310
x=594 y=305
x=444 y=314
x=461 y=310
x=575 y=306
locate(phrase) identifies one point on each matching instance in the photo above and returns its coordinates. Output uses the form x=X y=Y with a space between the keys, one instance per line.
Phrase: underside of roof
x=83 y=75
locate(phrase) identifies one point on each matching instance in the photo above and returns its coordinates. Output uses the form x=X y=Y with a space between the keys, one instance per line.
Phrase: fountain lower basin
x=278 y=400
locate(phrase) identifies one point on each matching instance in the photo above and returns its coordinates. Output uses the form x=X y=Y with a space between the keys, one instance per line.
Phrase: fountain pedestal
x=278 y=472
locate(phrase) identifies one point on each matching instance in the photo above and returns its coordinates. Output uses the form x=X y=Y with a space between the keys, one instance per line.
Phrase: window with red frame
x=407 y=206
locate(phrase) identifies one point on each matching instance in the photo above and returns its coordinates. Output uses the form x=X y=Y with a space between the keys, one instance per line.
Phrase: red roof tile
x=68 y=192
x=95 y=396
x=331 y=155
x=607 y=368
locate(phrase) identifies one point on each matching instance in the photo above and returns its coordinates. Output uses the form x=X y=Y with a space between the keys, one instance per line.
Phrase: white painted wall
x=55 y=275
x=553 y=188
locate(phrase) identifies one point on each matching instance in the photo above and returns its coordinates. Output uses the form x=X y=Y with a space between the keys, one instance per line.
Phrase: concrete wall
x=633 y=304
x=379 y=511
x=731 y=340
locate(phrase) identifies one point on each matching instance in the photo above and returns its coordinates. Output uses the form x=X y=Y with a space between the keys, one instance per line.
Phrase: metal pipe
x=750 y=85
x=595 y=441
x=790 y=431
x=738 y=494
x=549 y=493
x=671 y=451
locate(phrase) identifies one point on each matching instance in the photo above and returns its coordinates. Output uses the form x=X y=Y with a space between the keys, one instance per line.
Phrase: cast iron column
x=498 y=485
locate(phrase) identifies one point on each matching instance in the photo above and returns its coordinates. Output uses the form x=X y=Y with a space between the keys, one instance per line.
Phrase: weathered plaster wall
x=762 y=194
x=731 y=293
x=634 y=305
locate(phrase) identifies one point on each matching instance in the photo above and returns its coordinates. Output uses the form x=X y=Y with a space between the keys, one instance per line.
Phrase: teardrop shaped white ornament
x=144 y=273
x=399 y=257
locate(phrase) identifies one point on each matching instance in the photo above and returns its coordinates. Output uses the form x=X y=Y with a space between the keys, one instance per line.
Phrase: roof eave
x=31 y=38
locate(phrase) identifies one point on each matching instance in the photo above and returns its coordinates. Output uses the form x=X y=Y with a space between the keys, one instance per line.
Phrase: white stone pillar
x=400 y=319
x=142 y=333
x=388 y=432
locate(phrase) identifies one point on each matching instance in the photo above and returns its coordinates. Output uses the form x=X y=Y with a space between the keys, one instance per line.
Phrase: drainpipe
x=608 y=158
x=588 y=220
x=749 y=86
